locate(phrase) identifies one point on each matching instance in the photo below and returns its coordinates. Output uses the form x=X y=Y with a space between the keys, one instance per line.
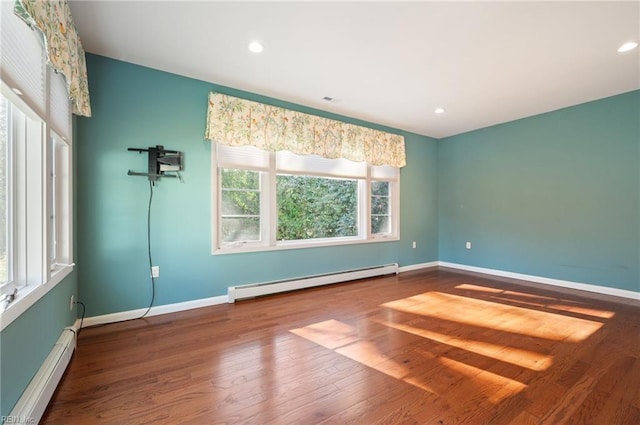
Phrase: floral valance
x=64 y=50
x=239 y=122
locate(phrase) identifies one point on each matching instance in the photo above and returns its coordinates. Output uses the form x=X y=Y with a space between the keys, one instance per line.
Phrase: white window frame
x=32 y=189
x=60 y=211
x=9 y=204
x=394 y=207
x=266 y=163
x=40 y=97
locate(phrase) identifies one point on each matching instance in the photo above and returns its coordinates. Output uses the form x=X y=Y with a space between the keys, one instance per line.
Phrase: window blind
x=385 y=172
x=247 y=157
x=59 y=105
x=22 y=61
x=288 y=162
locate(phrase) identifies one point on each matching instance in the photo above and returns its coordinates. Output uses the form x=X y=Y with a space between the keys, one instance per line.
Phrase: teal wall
x=139 y=107
x=554 y=195
x=27 y=341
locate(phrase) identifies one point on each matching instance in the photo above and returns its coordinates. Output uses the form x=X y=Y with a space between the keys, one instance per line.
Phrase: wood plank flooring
x=424 y=347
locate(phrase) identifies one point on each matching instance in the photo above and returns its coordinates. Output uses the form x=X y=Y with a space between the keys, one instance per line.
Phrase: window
x=60 y=195
x=35 y=170
x=276 y=200
x=23 y=139
x=5 y=198
x=316 y=207
x=240 y=215
x=35 y=212
x=380 y=207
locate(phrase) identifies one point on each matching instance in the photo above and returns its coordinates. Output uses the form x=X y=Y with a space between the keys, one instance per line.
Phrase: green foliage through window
x=240 y=205
x=280 y=200
x=316 y=207
x=380 y=207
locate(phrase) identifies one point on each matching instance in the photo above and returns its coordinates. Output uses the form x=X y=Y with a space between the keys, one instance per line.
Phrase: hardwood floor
x=424 y=347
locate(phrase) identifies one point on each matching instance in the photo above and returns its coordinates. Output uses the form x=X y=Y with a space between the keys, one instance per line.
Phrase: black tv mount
x=161 y=162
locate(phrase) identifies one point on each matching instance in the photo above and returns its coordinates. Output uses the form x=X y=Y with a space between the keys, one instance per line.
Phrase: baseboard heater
x=33 y=402
x=267 y=288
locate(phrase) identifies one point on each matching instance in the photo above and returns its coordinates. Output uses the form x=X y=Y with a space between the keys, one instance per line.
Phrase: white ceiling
x=391 y=63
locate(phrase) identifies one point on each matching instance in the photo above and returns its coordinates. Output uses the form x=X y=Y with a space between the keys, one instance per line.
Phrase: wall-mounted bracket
x=160 y=162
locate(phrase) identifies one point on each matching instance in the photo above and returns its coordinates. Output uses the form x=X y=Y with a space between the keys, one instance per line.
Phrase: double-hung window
x=60 y=208
x=6 y=200
x=35 y=170
x=277 y=200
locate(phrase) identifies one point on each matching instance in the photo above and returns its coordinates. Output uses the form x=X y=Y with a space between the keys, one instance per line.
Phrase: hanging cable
x=84 y=309
x=153 y=280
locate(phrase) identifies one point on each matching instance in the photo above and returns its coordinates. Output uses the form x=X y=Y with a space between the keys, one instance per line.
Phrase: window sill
x=29 y=295
x=242 y=248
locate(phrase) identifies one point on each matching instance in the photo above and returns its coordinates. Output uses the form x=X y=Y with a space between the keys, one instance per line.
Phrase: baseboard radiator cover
x=33 y=402
x=267 y=288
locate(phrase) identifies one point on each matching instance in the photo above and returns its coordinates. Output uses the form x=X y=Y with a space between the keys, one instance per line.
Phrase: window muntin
x=303 y=201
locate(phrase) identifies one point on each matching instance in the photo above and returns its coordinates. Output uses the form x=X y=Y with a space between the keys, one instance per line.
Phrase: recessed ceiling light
x=439 y=111
x=629 y=45
x=256 y=47
x=16 y=91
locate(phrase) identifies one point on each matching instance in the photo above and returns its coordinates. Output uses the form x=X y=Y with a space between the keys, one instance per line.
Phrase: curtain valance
x=239 y=122
x=64 y=50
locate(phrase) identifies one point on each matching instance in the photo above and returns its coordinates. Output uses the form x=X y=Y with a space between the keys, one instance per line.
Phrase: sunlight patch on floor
x=497 y=316
x=498 y=387
x=603 y=314
x=330 y=333
x=368 y=354
x=470 y=287
x=518 y=357
x=553 y=303
x=344 y=340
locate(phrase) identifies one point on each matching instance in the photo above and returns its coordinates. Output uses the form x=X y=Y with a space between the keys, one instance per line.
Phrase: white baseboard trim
x=188 y=305
x=623 y=293
x=155 y=311
x=224 y=299
x=420 y=266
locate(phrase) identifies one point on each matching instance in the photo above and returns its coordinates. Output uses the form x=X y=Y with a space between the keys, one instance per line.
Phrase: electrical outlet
x=468 y=245
x=414 y=245
x=155 y=271
x=71 y=303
